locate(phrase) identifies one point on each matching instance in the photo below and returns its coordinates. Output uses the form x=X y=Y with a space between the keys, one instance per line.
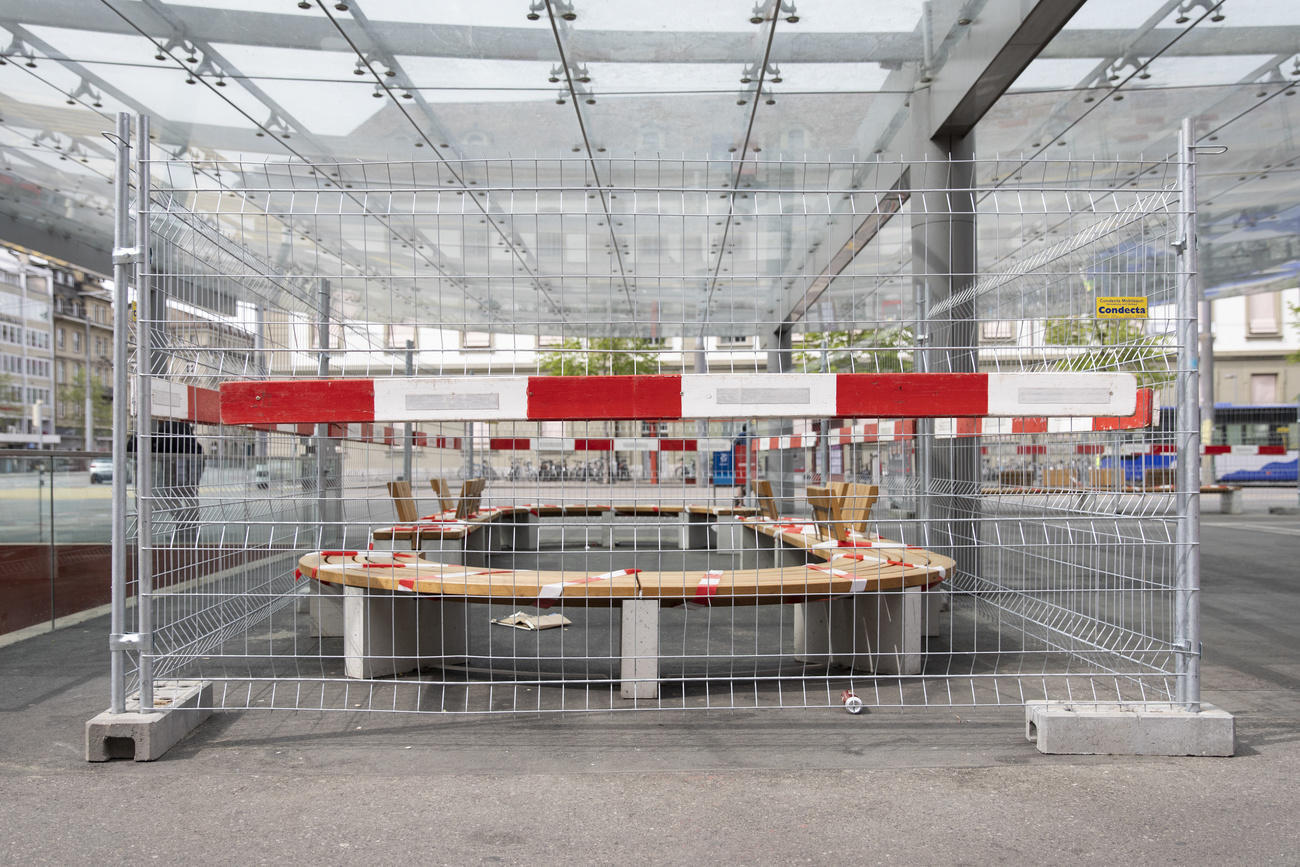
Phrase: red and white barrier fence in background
x=296 y=406
x=688 y=396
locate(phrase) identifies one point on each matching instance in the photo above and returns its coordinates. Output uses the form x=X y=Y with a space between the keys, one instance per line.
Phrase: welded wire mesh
x=1050 y=542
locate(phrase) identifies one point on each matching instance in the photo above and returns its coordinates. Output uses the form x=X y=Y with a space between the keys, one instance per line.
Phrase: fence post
x=406 y=445
x=326 y=513
x=144 y=371
x=122 y=259
x=1187 y=628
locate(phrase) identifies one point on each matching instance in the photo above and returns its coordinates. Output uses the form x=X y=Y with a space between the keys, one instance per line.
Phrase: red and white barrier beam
x=689 y=396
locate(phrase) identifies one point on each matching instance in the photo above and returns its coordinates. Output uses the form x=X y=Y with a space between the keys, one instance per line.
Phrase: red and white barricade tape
x=688 y=396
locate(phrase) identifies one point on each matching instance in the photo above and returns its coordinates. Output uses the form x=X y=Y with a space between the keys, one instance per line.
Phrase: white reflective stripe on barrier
x=168 y=399
x=452 y=398
x=1047 y=394
x=732 y=395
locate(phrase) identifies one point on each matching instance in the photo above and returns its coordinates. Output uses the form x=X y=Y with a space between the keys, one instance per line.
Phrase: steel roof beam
x=977 y=69
x=296 y=30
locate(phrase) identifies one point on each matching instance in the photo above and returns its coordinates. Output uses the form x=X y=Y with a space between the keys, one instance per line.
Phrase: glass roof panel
x=666 y=80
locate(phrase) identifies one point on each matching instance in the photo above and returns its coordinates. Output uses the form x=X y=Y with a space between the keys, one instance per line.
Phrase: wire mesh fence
x=550 y=435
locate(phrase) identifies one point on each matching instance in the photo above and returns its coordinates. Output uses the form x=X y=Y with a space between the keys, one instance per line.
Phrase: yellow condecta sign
x=1121 y=307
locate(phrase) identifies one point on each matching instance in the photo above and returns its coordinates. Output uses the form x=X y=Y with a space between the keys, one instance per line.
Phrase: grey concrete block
x=179 y=707
x=1086 y=728
x=388 y=632
x=325 y=608
x=639 y=644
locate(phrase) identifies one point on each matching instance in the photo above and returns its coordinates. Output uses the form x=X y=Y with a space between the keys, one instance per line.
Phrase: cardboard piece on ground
x=533 y=622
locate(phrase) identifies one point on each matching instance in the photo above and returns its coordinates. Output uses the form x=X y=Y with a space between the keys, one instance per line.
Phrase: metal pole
x=322 y=430
x=121 y=277
x=922 y=248
x=780 y=359
x=469 y=449
x=144 y=369
x=703 y=458
x=22 y=335
x=406 y=445
x=54 y=386
x=89 y=426
x=1187 y=626
x=1206 y=338
x=261 y=448
x=54 y=557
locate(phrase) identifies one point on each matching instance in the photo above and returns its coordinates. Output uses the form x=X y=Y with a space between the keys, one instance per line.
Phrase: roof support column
x=780 y=359
x=943 y=266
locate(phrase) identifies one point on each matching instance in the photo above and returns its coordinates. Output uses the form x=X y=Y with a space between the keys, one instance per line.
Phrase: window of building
x=76 y=341
x=476 y=340
x=60 y=338
x=735 y=341
x=395 y=336
x=549 y=340
x=993 y=330
x=1263 y=388
x=1264 y=314
x=61 y=371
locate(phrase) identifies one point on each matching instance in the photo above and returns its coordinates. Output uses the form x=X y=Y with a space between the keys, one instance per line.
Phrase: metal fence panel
x=323 y=331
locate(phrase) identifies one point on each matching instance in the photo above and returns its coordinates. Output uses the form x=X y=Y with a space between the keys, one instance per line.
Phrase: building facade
x=83 y=360
x=27 y=387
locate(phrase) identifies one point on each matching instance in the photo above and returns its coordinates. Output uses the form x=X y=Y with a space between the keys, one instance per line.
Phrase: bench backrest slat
x=446 y=502
x=856 y=505
x=471 y=494
x=826 y=512
x=403 y=502
x=766 y=502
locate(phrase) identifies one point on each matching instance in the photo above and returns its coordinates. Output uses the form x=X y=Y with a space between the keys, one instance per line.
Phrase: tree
x=72 y=399
x=865 y=350
x=602 y=356
x=1115 y=345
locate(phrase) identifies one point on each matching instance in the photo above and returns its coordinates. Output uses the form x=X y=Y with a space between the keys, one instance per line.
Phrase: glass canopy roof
x=270 y=96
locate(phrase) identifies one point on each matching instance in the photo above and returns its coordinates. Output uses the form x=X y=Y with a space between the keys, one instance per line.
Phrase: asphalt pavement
x=940 y=785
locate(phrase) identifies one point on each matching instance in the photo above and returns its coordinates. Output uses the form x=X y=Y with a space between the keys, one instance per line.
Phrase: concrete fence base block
x=179 y=707
x=1086 y=728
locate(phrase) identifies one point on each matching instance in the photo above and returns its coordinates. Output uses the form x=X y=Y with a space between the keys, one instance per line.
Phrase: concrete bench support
x=1231 y=502
x=696 y=532
x=760 y=551
x=524 y=527
x=729 y=534
x=936 y=602
x=600 y=534
x=325 y=608
x=879 y=632
x=391 y=633
x=639 y=645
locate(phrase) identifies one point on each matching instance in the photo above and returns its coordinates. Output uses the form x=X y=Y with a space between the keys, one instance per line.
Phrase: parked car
x=101 y=470
x=262 y=476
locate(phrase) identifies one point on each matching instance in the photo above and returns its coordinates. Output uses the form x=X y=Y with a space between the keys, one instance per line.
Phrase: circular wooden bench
x=395 y=609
